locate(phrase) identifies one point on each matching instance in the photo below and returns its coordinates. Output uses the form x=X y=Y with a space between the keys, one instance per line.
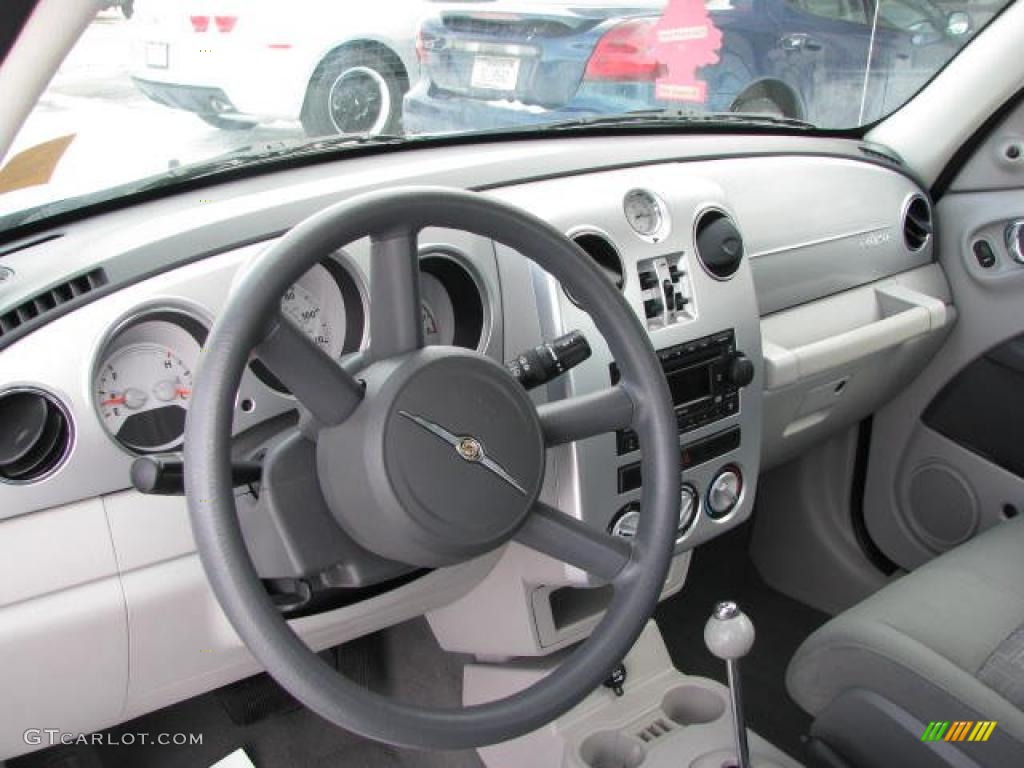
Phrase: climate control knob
x=724 y=492
x=688 y=506
x=625 y=524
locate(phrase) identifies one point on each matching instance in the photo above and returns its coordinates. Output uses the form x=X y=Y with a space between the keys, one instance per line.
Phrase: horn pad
x=462 y=451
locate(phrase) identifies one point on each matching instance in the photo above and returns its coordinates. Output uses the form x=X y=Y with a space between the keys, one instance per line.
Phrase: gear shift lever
x=729 y=635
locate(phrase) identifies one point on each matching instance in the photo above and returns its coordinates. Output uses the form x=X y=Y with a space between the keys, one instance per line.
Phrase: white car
x=332 y=65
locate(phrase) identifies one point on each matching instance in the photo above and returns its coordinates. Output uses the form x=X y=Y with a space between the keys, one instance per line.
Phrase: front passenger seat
x=944 y=643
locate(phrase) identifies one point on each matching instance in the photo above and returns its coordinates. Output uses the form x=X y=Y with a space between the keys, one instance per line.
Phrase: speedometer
x=316 y=306
x=142 y=393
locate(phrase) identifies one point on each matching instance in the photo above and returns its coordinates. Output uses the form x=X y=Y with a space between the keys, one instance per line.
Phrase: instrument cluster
x=142 y=379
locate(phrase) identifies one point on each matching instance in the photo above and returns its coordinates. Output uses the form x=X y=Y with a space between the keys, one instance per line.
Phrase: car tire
x=224 y=123
x=354 y=91
x=759 y=105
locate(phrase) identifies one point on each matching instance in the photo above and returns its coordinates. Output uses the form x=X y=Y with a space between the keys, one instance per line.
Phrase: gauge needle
x=169 y=389
x=113 y=401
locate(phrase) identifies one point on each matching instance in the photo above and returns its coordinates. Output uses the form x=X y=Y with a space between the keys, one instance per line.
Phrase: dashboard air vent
x=604 y=254
x=50 y=299
x=35 y=435
x=719 y=244
x=917 y=223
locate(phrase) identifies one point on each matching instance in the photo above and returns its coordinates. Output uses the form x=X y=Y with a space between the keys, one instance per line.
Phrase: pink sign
x=685 y=39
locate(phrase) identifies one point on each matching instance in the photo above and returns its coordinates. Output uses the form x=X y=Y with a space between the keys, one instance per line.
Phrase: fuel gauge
x=142 y=393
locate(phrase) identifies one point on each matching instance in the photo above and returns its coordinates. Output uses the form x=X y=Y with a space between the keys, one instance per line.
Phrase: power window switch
x=984 y=254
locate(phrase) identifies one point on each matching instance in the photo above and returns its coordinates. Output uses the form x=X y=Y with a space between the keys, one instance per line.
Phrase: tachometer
x=142 y=393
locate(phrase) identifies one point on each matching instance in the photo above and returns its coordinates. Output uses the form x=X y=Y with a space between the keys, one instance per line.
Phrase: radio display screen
x=689 y=385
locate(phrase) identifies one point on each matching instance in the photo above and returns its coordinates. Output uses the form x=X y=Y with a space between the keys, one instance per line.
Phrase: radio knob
x=724 y=492
x=740 y=370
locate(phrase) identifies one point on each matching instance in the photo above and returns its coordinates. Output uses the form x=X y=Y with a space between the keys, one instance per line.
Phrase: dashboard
x=787 y=285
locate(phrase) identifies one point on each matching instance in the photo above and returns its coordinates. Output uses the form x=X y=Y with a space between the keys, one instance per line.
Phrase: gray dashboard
x=835 y=304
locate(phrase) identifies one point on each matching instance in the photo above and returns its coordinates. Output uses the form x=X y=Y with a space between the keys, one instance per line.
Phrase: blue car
x=504 y=65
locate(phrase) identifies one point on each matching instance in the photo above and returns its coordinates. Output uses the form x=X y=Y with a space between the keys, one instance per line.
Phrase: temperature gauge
x=142 y=393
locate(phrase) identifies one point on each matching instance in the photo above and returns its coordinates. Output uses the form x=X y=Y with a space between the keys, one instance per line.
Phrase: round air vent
x=35 y=435
x=917 y=223
x=604 y=254
x=719 y=244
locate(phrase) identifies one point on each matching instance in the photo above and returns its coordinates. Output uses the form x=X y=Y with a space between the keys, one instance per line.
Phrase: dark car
x=508 y=64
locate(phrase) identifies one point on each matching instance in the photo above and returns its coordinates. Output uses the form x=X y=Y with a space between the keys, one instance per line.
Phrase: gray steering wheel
x=433 y=456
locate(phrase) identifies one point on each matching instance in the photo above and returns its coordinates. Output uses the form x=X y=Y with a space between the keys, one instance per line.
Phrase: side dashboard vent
x=603 y=253
x=35 y=435
x=917 y=223
x=50 y=299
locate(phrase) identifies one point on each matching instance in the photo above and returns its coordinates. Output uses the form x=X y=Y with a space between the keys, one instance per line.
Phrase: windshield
x=159 y=90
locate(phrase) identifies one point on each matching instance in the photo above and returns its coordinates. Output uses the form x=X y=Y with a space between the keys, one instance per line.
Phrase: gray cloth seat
x=944 y=643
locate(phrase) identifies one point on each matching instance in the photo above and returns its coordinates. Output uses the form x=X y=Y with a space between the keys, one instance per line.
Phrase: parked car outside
x=339 y=67
x=522 y=62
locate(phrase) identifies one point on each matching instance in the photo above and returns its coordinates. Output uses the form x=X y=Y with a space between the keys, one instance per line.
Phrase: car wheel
x=759 y=105
x=354 y=91
x=224 y=123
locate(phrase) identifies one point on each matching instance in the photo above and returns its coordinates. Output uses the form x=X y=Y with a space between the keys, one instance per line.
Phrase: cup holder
x=693 y=705
x=612 y=749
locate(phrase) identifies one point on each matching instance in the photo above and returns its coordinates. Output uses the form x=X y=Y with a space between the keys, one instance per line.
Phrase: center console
x=690 y=285
x=681 y=267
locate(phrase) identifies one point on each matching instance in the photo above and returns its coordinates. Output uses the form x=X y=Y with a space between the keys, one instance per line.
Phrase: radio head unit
x=704 y=377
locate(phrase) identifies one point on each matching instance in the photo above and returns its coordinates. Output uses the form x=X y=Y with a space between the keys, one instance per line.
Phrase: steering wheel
x=432 y=456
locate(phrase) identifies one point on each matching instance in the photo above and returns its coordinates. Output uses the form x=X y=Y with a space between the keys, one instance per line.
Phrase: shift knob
x=729 y=634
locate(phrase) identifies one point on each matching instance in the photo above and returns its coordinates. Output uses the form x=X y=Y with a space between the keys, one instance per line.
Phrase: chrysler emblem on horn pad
x=467 y=447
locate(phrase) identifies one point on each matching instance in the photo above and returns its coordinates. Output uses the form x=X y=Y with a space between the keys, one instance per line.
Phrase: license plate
x=495 y=73
x=156 y=55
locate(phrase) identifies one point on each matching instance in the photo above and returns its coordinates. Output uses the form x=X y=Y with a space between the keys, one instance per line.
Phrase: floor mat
x=254 y=715
x=722 y=570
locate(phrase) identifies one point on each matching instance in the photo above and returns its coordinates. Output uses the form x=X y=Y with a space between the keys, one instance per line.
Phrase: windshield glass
x=159 y=90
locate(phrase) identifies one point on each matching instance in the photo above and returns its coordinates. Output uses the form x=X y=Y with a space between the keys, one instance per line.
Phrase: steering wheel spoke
x=396 y=314
x=320 y=383
x=576 y=418
x=565 y=538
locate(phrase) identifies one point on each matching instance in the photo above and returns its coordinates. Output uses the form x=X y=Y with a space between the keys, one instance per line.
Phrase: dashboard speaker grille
x=35 y=435
x=50 y=299
x=917 y=223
